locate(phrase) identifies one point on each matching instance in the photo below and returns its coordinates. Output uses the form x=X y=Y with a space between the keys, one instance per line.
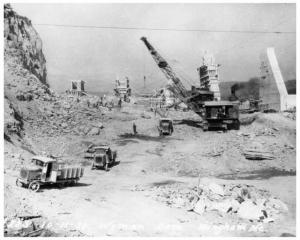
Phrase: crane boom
x=176 y=87
x=166 y=69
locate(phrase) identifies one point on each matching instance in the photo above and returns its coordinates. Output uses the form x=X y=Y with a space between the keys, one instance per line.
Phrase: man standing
x=134 y=128
x=120 y=103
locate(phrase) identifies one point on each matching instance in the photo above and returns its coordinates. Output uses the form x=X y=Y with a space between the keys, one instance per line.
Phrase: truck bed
x=70 y=173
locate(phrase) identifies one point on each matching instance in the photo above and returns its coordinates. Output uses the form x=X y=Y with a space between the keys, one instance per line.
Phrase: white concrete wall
x=273 y=91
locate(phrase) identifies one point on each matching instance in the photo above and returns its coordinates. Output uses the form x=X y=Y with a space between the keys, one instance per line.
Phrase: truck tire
x=74 y=182
x=106 y=167
x=34 y=186
x=112 y=162
x=237 y=125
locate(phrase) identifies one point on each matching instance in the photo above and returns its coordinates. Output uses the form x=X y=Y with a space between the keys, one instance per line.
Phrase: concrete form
x=272 y=91
x=122 y=87
x=77 y=87
x=209 y=76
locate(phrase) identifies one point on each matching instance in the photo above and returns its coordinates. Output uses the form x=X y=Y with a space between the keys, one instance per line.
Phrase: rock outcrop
x=23 y=42
x=25 y=74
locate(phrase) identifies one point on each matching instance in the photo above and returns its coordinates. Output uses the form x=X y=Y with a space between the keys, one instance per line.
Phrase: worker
x=134 y=128
x=120 y=103
x=109 y=153
x=171 y=129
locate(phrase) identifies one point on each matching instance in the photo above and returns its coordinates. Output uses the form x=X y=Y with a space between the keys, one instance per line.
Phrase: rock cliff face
x=25 y=74
x=30 y=106
x=23 y=42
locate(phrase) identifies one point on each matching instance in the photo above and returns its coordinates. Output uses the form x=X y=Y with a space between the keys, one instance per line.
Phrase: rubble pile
x=69 y=114
x=238 y=201
x=31 y=226
x=290 y=115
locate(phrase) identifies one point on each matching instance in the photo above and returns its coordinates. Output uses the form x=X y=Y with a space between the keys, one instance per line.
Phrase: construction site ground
x=122 y=202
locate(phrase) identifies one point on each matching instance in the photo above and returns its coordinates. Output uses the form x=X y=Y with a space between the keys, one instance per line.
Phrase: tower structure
x=209 y=75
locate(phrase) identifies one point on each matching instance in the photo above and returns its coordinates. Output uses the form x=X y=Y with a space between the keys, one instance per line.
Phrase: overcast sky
x=99 y=55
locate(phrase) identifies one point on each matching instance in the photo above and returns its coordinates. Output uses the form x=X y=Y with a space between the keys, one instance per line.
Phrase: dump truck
x=165 y=126
x=102 y=156
x=221 y=115
x=47 y=171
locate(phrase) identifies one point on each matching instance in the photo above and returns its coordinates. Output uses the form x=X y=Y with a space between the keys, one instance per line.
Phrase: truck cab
x=44 y=168
x=102 y=156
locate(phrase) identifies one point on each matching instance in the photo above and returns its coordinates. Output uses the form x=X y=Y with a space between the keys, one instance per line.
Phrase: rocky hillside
x=22 y=41
x=25 y=74
x=31 y=107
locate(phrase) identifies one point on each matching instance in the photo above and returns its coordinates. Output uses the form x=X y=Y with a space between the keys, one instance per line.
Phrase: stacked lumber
x=256 y=154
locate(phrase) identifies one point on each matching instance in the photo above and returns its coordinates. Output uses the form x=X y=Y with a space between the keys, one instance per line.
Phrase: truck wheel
x=237 y=125
x=112 y=163
x=106 y=167
x=61 y=185
x=19 y=183
x=34 y=186
x=73 y=183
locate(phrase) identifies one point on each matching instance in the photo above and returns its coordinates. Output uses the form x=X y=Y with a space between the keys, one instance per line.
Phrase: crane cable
x=166 y=29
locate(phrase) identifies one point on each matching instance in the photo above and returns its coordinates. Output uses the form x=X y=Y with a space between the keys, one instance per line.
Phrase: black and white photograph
x=149 y=119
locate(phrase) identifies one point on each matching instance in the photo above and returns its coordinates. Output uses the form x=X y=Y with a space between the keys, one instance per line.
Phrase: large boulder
x=277 y=204
x=94 y=131
x=225 y=206
x=16 y=225
x=216 y=189
x=201 y=205
x=249 y=210
x=98 y=125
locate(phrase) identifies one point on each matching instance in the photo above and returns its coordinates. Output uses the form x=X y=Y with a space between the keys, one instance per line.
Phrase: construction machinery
x=199 y=100
x=47 y=171
x=195 y=98
x=221 y=115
